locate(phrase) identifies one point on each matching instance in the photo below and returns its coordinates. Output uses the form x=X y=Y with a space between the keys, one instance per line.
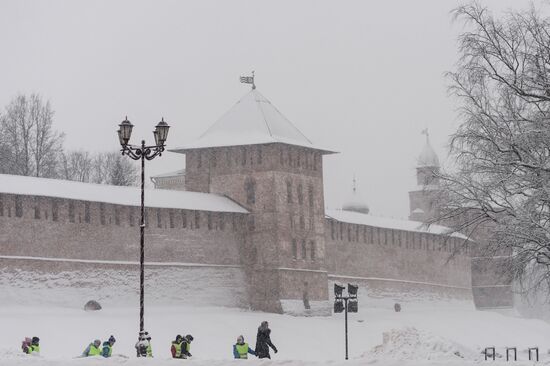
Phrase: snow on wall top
x=253 y=120
x=129 y=196
x=388 y=223
x=177 y=173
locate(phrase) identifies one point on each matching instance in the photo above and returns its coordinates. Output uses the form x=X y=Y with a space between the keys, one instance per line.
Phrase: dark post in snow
x=141 y=153
x=345 y=304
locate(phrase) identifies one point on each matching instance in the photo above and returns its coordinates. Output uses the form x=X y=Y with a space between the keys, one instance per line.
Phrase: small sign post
x=345 y=304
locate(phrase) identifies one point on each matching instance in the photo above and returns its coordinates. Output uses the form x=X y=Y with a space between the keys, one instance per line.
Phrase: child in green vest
x=241 y=349
x=186 y=346
x=93 y=349
x=176 y=347
x=108 y=347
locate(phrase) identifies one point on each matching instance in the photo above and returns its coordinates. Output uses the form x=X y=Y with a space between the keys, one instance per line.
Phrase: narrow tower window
x=288 y=191
x=250 y=189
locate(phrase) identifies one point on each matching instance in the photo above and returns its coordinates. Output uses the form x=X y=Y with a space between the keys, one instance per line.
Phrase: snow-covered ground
x=423 y=333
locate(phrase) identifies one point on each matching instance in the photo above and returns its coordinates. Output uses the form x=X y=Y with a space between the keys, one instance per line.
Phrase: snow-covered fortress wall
x=393 y=260
x=92 y=249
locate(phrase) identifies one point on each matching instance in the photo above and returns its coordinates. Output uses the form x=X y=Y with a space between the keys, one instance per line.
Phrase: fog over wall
x=362 y=77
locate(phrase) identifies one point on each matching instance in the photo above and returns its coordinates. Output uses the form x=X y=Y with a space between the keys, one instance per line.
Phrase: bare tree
x=30 y=145
x=501 y=180
x=113 y=168
x=77 y=165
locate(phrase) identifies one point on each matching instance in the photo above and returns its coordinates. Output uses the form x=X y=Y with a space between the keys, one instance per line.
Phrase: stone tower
x=422 y=200
x=257 y=157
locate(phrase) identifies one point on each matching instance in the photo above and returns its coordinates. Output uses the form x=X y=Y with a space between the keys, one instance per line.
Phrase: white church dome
x=428 y=157
x=355 y=201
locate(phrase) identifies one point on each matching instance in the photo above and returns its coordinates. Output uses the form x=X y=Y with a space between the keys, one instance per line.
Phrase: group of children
x=31 y=345
x=95 y=349
x=180 y=346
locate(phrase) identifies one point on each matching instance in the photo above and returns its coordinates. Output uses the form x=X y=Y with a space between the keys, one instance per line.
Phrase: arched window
x=310 y=195
x=312 y=250
x=302 y=222
x=300 y=194
x=304 y=250
x=250 y=190
x=294 y=249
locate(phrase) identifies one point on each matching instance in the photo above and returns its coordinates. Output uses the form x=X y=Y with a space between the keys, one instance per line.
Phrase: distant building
x=249 y=230
x=173 y=180
x=423 y=199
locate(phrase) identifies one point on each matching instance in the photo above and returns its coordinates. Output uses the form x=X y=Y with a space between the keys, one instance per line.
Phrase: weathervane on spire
x=248 y=80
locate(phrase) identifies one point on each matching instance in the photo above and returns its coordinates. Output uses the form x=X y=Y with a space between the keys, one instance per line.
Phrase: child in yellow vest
x=241 y=349
x=93 y=349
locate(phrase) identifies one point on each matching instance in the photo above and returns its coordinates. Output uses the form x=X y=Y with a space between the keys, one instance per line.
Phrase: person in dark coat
x=263 y=341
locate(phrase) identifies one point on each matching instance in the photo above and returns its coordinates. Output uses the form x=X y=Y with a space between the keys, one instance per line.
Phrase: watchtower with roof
x=423 y=199
x=257 y=157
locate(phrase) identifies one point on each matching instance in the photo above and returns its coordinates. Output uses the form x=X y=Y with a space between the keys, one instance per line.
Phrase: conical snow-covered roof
x=253 y=120
x=428 y=157
x=355 y=201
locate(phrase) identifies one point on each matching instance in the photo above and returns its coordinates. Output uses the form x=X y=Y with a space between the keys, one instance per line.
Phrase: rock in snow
x=92 y=305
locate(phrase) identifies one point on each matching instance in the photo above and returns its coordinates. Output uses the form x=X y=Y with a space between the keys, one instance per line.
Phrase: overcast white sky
x=363 y=77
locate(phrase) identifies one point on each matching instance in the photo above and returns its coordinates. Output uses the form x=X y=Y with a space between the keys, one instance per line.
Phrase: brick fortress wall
x=34 y=226
x=396 y=261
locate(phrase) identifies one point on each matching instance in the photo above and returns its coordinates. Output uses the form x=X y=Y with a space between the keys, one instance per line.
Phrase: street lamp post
x=142 y=153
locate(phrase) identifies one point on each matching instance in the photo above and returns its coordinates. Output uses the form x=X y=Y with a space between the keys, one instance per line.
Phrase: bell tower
x=257 y=157
x=423 y=199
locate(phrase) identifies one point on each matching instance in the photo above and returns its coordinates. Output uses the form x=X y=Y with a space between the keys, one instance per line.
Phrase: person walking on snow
x=31 y=345
x=176 y=347
x=93 y=349
x=108 y=347
x=263 y=340
x=241 y=349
